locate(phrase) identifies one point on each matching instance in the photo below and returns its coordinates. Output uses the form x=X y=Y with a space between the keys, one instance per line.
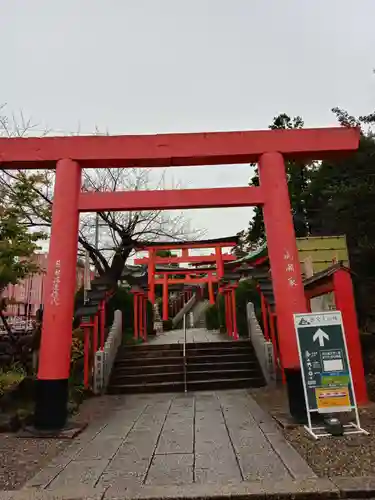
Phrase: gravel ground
x=21 y=459
x=345 y=456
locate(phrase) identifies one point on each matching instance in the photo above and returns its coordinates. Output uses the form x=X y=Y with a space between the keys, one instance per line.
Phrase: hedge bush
x=167 y=325
x=245 y=292
x=212 y=317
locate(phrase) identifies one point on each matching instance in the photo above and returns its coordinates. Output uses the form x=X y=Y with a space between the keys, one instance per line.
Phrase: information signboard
x=325 y=366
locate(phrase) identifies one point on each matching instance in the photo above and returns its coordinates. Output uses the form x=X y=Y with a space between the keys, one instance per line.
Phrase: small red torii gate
x=68 y=155
x=152 y=259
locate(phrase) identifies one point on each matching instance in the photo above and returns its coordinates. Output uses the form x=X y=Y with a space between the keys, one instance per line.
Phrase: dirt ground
x=21 y=459
x=332 y=456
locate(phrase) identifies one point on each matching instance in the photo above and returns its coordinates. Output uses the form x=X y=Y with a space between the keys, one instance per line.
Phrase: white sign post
x=326 y=374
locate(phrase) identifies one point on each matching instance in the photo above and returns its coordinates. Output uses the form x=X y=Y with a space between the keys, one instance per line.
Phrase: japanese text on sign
x=55 y=293
x=290 y=268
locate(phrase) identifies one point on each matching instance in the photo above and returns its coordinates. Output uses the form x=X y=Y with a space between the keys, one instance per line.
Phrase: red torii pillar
x=234 y=311
x=211 y=290
x=264 y=315
x=283 y=254
x=219 y=262
x=151 y=275
x=54 y=358
x=165 y=297
x=227 y=313
x=135 y=316
x=345 y=302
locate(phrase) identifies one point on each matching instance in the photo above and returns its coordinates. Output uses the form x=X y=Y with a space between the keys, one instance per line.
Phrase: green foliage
x=164 y=253
x=123 y=300
x=245 y=292
x=17 y=243
x=150 y=318
x=333 y=198
x=11 y=377
x=341 y=200
x=167 y=325
x=298 y=178
x=212 y=317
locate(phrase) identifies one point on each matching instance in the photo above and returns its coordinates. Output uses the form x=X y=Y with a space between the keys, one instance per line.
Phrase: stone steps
x=209 y=366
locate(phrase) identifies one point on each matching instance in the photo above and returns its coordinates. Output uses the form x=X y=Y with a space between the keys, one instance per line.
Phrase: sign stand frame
x=317 y=431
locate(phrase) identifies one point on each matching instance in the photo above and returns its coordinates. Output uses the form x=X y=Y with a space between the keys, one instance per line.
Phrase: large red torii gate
x=68 y=155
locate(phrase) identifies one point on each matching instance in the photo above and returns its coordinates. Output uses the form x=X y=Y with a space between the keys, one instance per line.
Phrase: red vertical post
x=144 y=298
x=345 y=302
x=283 y=253
x=219 y=262
x=95 y=335
x=140 y=315
x=226 y=309
x=264 y=316
x=102 y=324
x=234 y=312
x=165 y=297
x=151 y=275
x=135 y=315
x=86 y=357
x=54 y=361
x=230 y=321
x=273 y=338
x=211 y=290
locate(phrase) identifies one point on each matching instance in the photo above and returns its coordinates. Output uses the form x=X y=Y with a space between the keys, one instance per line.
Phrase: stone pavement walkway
x=193 y=335
x=207 y=438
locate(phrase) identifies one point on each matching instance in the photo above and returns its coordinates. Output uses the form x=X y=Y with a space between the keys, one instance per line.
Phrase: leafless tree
x=120 y=232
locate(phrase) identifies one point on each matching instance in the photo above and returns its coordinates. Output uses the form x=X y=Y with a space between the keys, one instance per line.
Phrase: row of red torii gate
x=70 y=155
x=221 y=272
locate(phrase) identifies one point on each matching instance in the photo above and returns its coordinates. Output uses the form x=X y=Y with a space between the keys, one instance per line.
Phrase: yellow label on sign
x=330 y=398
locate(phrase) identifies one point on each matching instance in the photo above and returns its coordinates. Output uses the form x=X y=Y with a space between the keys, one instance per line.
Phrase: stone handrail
x=105 y=358
x=262 y=347
x=184 y=311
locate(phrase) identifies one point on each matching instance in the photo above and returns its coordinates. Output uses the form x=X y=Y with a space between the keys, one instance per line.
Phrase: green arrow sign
x=324 y=362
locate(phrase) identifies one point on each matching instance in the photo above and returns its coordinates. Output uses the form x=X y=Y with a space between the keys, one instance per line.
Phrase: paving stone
x=262 y=466
x=296 y=465
x=141 y=442
x=66 y=456
x=209 y=404
x=355 y=487
x=86 y=472
x=79 y=492
x=118 y=430
x=220 y=467
x=43 y=478
x=99 y=449
x=171 y=469
x=284 y=489
x=125 y=472
x=213 y=476
x=179 y=440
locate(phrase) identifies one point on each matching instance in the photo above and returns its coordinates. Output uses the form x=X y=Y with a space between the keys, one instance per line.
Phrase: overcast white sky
x=152 y=66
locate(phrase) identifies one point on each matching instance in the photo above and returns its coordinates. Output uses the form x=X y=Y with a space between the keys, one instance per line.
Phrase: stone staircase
x=210 y=366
